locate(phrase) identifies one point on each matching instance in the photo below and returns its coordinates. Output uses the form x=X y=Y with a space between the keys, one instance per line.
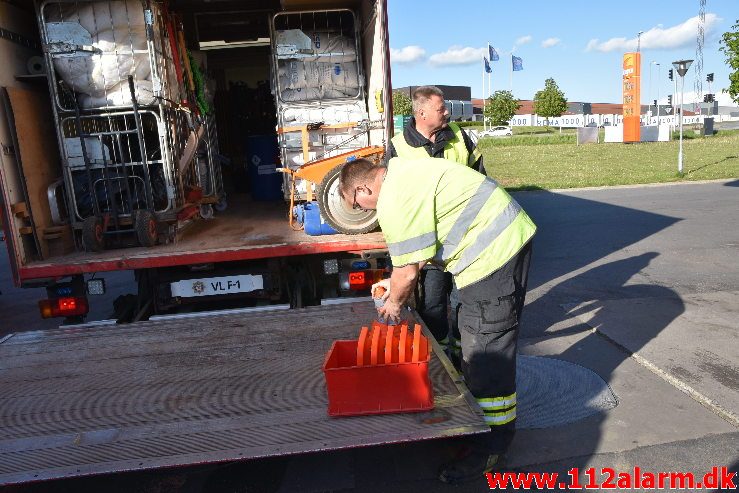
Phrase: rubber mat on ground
x=553 y=392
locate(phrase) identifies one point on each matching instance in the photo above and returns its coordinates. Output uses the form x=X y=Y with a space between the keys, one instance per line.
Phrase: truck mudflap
x=195 y=389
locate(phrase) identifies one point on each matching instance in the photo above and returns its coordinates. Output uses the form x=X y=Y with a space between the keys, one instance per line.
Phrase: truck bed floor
x=245 y=230
x=192 y=390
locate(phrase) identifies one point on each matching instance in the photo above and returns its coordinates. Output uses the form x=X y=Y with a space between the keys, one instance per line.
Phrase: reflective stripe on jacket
x=433 y=209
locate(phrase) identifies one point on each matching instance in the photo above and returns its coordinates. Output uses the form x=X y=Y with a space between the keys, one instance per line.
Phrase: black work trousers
x=488 y=322
x=437 y=292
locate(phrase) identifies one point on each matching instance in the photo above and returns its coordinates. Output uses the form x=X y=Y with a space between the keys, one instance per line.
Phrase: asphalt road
x=638 y=284
x=727 y=125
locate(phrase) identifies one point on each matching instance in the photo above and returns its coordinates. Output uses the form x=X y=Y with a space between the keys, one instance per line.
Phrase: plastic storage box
x=385 y=371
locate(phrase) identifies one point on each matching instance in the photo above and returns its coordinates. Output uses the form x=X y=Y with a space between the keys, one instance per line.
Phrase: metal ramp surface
x=191 y=390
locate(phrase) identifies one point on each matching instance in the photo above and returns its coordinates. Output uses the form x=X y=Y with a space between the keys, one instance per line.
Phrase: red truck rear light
x=64 y=307
x=364 y=279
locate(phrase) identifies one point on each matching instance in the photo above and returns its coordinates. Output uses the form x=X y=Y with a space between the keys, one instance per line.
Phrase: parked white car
x=497 y=132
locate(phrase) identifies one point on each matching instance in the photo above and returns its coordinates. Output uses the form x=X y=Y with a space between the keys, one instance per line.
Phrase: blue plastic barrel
x=310 y=217
x=262 y=161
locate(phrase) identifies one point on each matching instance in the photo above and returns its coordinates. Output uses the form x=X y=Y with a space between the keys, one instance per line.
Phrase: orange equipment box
x=385 y=371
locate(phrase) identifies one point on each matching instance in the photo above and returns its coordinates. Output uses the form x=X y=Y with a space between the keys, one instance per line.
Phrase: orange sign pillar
x=632 y=96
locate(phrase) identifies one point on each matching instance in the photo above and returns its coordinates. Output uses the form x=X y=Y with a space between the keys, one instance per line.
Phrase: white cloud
x=458 y=55
x=621 y=44
x=549 y=42
x=407 y=54
x=723 y=98
x=659 y=38
x=523 y=40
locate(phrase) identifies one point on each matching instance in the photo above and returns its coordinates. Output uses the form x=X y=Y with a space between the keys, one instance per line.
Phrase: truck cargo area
x=172 y=156
x=246 y=230
x=192 y=390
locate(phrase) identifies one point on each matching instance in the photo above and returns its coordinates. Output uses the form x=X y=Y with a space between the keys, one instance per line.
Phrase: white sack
x=116 y=28
x=292 y=41
x=294 y=95
x=341 y=141
x=292 y=115
x=120 y=95
x=336 y=92
x=335 y=47
x=295 y=159
x=296 y=74
x=342 y=113
x=313 y=94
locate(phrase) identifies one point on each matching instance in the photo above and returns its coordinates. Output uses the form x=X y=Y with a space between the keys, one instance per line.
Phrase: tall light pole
x=649 y=91
x=658 y=79
x=681 y=67
x=638 y=41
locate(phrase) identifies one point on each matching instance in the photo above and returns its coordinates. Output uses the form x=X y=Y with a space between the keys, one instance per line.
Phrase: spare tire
x=336 y=213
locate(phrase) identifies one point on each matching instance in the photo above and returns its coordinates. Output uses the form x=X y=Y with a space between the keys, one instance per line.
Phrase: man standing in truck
x=430 y=134
x=435 y=211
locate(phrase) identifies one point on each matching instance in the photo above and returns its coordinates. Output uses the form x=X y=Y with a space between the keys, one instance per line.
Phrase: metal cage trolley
x=319 y=87
x=135 y=152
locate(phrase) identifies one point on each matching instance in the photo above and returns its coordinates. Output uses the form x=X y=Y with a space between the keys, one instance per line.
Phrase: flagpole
x=484 y=126
x=490 y=85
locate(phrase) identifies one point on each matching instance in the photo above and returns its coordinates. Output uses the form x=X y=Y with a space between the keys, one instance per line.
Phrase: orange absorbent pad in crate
x=385 y=371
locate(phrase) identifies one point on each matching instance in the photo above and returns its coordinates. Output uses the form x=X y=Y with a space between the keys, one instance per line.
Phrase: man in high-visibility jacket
x=433 y=210
x=430 y=134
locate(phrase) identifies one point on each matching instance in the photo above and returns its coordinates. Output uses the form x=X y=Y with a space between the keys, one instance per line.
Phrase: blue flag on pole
x=487 y=65
x=517 y=63
x=493 y=54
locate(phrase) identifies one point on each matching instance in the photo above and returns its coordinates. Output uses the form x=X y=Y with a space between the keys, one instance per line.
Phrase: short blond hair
x=422 y=94
x=356 y=173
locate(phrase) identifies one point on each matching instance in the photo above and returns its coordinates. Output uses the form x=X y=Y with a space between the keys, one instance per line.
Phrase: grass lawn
x=530 y=130
x=530 y=139
x=529 y=165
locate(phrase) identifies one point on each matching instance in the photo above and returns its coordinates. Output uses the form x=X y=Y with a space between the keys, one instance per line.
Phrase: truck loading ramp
x=194 y=389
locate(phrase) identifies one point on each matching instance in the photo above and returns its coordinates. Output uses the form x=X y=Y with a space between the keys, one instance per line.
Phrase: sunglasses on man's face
x=356 y=206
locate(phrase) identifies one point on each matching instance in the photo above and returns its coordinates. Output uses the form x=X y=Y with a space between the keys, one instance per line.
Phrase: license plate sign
x=211 y=286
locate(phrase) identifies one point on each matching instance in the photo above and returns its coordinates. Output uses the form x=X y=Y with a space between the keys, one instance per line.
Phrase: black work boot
x=471 y=465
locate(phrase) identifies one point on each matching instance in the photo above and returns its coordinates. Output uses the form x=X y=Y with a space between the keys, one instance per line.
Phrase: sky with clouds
x=578 y=43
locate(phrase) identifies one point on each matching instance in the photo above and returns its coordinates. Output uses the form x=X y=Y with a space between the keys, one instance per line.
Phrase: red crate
x=377 y=387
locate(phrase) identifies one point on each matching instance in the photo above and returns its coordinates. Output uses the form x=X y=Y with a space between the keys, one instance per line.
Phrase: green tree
x=550 y=101
x=730 y=42
x=402 y=104
x=500 y=108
